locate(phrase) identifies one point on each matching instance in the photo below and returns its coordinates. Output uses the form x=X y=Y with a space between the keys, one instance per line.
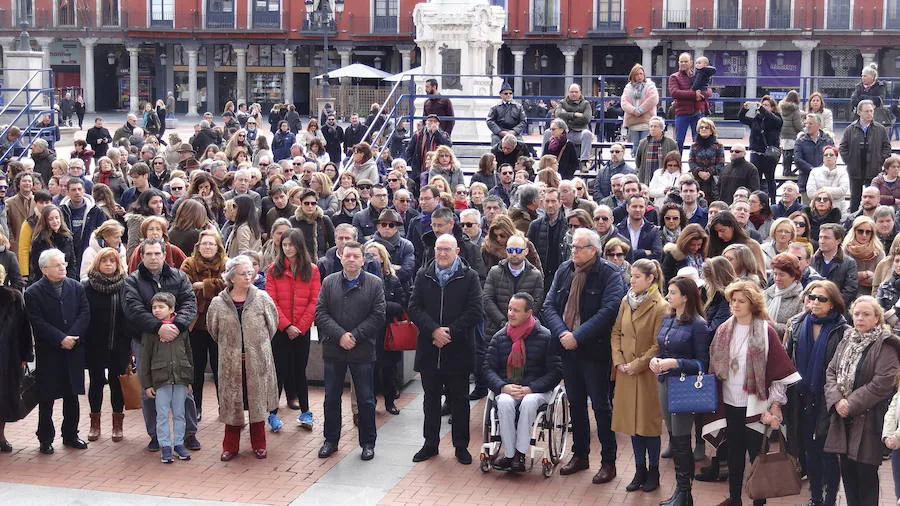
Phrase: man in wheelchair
x=521 y=369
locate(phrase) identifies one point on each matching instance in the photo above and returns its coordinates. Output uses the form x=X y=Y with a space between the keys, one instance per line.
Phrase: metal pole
x=326 y=87
x=412 y=102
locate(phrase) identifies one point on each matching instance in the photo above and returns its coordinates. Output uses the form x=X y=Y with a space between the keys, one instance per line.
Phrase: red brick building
x=267 y=50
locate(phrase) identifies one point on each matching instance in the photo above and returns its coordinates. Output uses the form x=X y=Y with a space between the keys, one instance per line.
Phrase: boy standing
x=166 y=375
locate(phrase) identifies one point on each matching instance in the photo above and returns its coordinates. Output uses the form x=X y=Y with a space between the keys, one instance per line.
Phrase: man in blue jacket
x=643 y=236
x=580 y=309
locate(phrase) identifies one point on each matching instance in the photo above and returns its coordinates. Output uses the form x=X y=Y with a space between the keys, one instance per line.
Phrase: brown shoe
x=605 y=475
x=117 y=433
x=574 y=465
x=94 y=433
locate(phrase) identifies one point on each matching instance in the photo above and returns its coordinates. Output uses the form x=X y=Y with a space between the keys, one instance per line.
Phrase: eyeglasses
x=506 y=93
x=403 y=201
x=615 y=150
x=311 y=203
x=737 y=151
x=345 y=200
x=517 y=251
x=506 y=173
x=387 y=224
x=601 y=218
x=298 y=164
x=865 y=231
x=575 y=246
x=616 y=255
x=672 y=218
x=823 y=199
x=821 y=298
x=468 y=225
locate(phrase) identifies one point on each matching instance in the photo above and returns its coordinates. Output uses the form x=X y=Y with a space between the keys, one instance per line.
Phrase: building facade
x=121 y=52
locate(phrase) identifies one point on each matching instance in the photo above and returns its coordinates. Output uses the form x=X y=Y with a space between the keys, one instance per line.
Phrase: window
x=220 y=14
x=545 y=16
x=609 y=15
x=780 y=14
x=109 y=12
x=162 y=13
x=677 y=14
x=24 y=12
x=892 y=15
x=65 y=13
x=727 y=17
x=266 y=13
x=838 y=17
x=385 y=19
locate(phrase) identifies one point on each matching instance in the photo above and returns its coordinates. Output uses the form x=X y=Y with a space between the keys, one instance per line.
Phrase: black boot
x=652 y=481
x=640 y=476
x=683 y=458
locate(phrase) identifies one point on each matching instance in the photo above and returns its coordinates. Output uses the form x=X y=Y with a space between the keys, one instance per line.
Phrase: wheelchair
x=549 y=433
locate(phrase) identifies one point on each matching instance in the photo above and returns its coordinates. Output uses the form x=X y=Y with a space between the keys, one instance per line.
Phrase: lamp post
x=323 y=17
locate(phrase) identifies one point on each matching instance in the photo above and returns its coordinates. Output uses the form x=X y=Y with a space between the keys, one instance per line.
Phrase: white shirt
x=733 y=392
x=635 y=235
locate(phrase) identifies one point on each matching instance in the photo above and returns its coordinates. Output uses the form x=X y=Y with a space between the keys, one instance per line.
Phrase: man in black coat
x=443 y=222
x=446 y=307
x=520 y=390
x=643 y=236
x=99 y=138
x=582 y=323
x=204 y=138
x=354 y=134
x=547 y=233
x=508 y=150
x=152 y=276
x=59 y=314
x=507 y=117
x=423 y=141
x=334 y=137
x=439 y=106
x=736 y=173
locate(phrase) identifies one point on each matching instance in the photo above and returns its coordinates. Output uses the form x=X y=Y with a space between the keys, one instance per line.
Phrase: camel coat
x=636 y=402
x=249 y=339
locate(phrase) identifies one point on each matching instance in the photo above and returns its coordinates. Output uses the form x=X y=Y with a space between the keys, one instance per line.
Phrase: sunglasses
x=403 y=201
x=364 y=186
x=615 y=150
x=601 y=218
x=468 y=225
x=506 y=93
x=241 y=136
x=672 y=218
x=176 y=188
x=823 y=199
x=313 y=203
x=865 y=231
x=388 y=225
x=820 y=298
x=298 y=164
x=506 y=173
x=392 y=180
x=462 y=192
x=517 y=251
x=345 y=200
x=573 y=226
x=4 y=187
x=800 y=224
x=616 y=255
x=737 y=151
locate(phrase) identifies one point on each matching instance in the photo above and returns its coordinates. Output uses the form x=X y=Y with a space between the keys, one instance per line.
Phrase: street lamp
x=324 y=18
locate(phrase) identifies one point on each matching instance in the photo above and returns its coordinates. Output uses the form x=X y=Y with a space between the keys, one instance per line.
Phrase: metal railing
x=38 y=102
x=219 y=19
x=266 y=19
x=385 y=24
x=838 y=17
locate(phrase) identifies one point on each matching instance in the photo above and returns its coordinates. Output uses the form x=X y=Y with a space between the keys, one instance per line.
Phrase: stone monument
x=459 y=40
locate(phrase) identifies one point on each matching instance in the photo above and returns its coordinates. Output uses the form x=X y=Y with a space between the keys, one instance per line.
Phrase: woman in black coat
x=107 y=345
x=562 y=148
x=765 y=131
x=15 y=350
x=51 y=232
x=870 y=88
x=396 y=298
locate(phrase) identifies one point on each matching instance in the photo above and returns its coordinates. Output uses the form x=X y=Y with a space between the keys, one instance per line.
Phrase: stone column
x=698 y=45
x=287 y=85
x=133 y=70
x=647 y=46
x=345 y=53
x=518 y=70
x=88 y=82
x=806 y=47
x=752 y=47
x=240 y=50
x=569 y=55
x=405 y=58
x=191 y=49
x=211 y=79
x=868 y=55
x=44 y=42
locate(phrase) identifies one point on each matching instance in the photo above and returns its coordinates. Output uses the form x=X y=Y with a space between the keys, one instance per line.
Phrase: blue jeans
x=646 y=448
x=363 y=376
x=148 y=406
x=635 y=137
x=895 y=467
x=170 y=399
x=682 y=122
x=588 y=379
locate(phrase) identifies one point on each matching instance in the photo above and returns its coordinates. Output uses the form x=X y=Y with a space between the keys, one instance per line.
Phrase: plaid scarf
x=515 y=363
x=651 y=155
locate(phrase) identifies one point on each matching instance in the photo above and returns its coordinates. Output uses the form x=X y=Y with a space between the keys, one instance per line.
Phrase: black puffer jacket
x=543 y=365
x=501 y=285
x=359 y=309
x=140 y=288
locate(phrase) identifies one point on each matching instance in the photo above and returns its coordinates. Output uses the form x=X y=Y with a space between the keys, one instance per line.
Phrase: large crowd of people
x=226 y=250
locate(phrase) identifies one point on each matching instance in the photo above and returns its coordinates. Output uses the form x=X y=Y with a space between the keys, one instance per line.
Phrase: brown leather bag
x=131 y=387
x=773 y=474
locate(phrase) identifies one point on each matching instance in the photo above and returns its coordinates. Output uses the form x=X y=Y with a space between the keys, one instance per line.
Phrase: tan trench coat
x=636 y=403
x=253 y=333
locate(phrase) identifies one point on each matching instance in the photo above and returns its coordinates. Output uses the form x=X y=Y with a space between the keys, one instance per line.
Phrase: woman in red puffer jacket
x=293 y=283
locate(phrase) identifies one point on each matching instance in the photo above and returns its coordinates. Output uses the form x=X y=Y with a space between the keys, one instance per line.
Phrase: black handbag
x=28 y=394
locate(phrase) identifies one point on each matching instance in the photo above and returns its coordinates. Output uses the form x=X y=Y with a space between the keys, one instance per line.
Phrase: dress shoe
x=227 y=455
x=425 y=453
x=518 y=463
x=5 y=447
x=606 y=474
x=574 y=465
x=47 y=448
x=502 y=462
x=640 y=477
x=478 y=393
x=368 y=453
x=327 y=450
x=76 y=443
x=390 y=408
x=463 y=456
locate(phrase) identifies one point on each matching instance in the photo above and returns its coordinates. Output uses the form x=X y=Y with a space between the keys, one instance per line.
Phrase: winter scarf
x=670 y=235
x=105 y=284
x=720 y=358
x=515 y=363
x=635 y=300
x=852 y=355
x=757 y=219
x=572 y=313
x=444 y=275
x=313 y=220
x=775 y=302
x=556 y=144
x=861 y=251
x=811 y=352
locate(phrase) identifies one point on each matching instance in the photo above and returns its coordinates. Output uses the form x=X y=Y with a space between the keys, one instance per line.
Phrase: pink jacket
x=648 y=104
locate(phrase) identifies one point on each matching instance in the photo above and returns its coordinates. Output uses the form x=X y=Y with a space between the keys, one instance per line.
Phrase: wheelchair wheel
x=547 y=468
x=485 y=462
x=486 y=422
x=558 y=441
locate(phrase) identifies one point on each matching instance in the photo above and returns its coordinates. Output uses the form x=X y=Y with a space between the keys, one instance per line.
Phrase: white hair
x=231 y=266
x=50 y=254
x=241 y=172
x=560 y=124
x=592 y=237
x=471 y=212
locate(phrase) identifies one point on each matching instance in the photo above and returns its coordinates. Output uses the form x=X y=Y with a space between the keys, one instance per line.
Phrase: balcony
x=838 y=17
x=727 y=21
x=109 y=16
x=219 y=19
x=892 y=22
x=751 y=18
x=780 y=19
x=266 y=19
x=385 y=24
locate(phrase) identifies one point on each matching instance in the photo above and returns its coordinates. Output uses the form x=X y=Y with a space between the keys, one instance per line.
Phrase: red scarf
x=104 y=177
x=515 y=363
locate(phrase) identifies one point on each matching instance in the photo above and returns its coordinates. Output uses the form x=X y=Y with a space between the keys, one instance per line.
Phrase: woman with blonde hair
x=549 y=177
x=859 y=382
x=445 y=164
x=781 y=235
x=321 y=184
x=107 y=235
x=493 y=249
x=862 y=245
x=616 y=251
x=639 y=100
x=748 y=358
x=636 y=404
x=744 y=263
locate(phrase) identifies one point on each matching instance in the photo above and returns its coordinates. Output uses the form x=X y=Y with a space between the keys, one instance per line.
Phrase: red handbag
x=401 y=335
